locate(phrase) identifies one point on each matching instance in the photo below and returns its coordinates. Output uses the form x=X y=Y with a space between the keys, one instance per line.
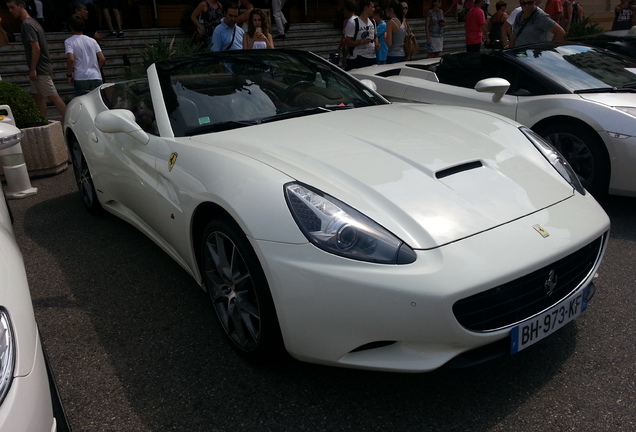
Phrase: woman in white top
x=257 y=35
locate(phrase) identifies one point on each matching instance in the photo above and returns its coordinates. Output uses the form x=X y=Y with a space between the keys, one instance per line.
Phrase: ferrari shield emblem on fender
x=172 y=161
x=541 y=230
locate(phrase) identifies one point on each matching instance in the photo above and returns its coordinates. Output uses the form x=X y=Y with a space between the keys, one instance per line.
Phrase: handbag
x=411 y=47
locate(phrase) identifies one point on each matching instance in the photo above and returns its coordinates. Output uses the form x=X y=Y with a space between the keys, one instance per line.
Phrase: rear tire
x=584 y=151
x=239 y=292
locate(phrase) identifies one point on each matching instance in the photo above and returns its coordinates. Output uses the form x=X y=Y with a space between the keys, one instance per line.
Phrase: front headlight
x=7 y=354
x=555 y=158
x=337 y=228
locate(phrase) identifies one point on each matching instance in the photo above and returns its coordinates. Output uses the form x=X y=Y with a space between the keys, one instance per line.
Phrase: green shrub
x=25 y=112
x=585 y=27
x=164 y=51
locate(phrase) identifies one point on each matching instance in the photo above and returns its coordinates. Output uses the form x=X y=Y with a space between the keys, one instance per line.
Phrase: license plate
x=541 y=326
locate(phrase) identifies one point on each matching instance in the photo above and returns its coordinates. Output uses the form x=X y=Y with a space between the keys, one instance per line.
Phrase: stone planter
x=44 y=149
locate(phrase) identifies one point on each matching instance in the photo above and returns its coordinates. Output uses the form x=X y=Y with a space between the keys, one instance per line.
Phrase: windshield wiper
x=342 y=106
x=606 y=90
x=296 y=113
x=221 y=126
x=630 y=85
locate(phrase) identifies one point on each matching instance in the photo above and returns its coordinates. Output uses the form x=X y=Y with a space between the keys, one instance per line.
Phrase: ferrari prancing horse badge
x=172 y=161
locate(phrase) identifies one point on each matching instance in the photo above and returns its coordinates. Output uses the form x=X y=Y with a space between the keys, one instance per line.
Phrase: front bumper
x=400 y=318
x=27 y=407
x=622 y=152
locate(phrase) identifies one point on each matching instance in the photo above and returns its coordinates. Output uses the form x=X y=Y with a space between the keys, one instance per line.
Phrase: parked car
x=25 y=397
x=620 y=41
x=326 y=221
x=580 y=98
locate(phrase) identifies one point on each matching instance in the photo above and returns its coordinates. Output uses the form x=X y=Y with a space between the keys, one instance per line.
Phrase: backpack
x=355 y=33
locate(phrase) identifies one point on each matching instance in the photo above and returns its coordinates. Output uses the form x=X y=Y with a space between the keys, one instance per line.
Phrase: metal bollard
x=12 y=159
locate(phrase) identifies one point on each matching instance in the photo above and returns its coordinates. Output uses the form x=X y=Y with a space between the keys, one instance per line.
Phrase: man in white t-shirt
x=360 y=35
x=84 y=58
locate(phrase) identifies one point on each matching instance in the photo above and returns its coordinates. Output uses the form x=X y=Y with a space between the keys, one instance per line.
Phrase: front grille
x=521 y=298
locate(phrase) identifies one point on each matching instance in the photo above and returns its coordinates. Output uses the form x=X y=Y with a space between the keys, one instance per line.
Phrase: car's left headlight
x=339 y=229
x=7 y=354
x=555 y=158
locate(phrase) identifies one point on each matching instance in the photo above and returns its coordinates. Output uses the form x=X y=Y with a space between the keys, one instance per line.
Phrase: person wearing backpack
x=360 y=35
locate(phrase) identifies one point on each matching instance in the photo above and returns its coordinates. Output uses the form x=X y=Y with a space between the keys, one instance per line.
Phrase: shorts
x=395 y=59
x=360 y=62
x=43 y=86
x=437 y=44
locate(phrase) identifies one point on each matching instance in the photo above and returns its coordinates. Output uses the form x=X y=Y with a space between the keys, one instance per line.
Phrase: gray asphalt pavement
x=134 y=347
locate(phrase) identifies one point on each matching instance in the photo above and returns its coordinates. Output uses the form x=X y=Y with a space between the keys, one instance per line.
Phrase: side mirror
x=497 y=86
x=121 y=121
x=370 y=84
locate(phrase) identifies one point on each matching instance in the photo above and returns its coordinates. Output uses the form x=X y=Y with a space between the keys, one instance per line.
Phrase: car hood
x=611 y=99
x=430 y=174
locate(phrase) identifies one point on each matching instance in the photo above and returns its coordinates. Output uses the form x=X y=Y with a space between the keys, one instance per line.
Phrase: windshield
x=579 y=68
x=220 y=91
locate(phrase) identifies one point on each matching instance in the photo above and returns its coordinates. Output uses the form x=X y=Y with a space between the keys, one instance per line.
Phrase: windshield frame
x=244 y=88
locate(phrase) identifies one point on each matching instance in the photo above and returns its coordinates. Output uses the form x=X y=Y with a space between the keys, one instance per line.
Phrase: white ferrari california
x=325 y=221
x=579 y=98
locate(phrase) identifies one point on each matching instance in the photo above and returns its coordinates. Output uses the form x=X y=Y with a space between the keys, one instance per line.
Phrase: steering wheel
x=288 y=91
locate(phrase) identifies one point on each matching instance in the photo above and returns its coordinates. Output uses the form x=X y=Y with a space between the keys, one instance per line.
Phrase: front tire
x=83 y=178
x=239 y=292
x=585 y=152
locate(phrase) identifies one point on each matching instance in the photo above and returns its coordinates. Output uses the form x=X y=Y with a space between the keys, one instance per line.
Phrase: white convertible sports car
x=581 y=99
x=326 y=221
x=25 y=398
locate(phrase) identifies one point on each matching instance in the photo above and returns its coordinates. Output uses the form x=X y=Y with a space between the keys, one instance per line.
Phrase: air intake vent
x=457 y=169
x=519 y=299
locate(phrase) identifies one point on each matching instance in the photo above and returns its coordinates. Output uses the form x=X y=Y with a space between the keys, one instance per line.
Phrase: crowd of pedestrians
x=219 y=26
x=371 y=33
x=367 y=26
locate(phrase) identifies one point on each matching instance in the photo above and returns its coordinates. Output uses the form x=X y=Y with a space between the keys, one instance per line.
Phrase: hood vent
x=457 y=169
